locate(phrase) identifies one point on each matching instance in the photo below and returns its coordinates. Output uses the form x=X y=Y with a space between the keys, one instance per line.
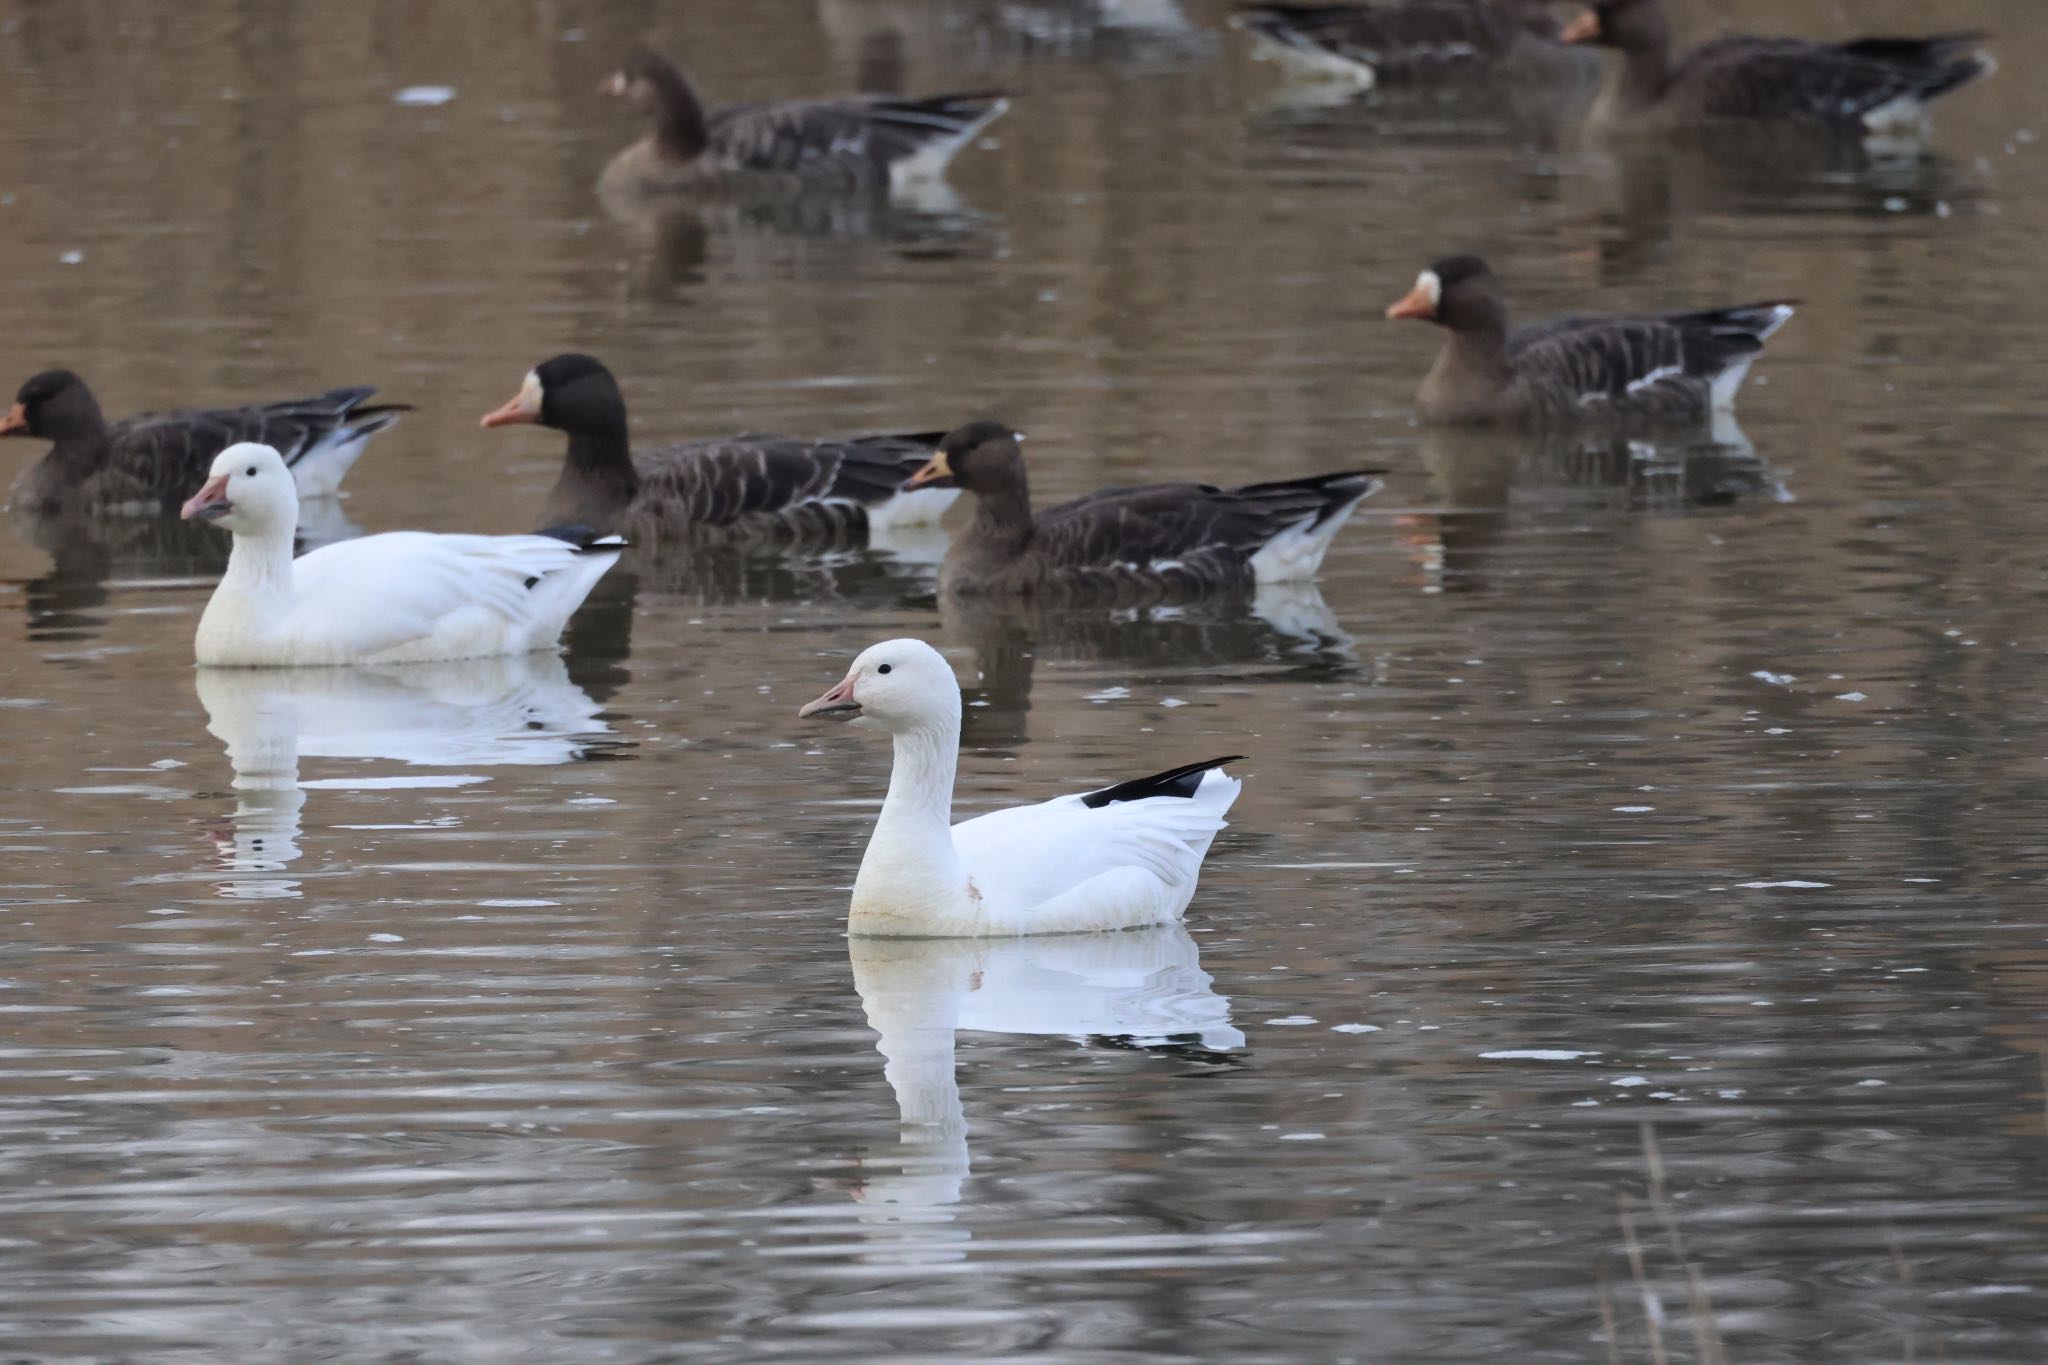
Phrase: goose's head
x=1458 y=292
x=1631 y=25
x=975 y=457
x=639 y=79
x=53 y=405
x=898 y=685
x=248 y=489
x=570 y=392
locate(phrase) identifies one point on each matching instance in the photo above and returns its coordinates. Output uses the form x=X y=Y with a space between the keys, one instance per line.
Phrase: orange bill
x=1416 y=305
x=15 y=423
x=935 y=470
x=1583 y=29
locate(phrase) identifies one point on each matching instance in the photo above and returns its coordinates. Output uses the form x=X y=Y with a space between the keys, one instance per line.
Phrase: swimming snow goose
x=145 y=464
x=1872 y=84
x=855 y=143
x=1157 y=540
x=1669 y=369
x=1401 y=40
x=400 y=597
x=1115 y=858
x=752 y=487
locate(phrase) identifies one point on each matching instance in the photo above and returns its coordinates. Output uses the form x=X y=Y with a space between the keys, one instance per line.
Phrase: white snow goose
x=400 y=597
x=1116 y=858
x=857 y=143
x=145 y=464
x=776 y=489
x=1162 y=540
x=1870 y=85
x=1659 y=370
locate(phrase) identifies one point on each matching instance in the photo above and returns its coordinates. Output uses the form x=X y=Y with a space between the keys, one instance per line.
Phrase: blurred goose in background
x=1116 y=858
x=146 y=464
x=1157 y=540
x=854 y=143
x=400 y=597
x=1662 y=370
x=752 y=487
x=1402 y=40
x=1877 y=85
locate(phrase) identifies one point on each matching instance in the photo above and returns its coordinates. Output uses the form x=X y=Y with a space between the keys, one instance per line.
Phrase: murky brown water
x=1631 y=942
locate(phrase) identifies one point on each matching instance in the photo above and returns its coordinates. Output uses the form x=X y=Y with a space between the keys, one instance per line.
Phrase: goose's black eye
x=883 y=669
x=250 y=471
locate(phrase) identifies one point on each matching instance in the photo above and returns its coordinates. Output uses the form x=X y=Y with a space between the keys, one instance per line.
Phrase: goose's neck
x=679 y=127
x=1002 y=525
x=1639 y=79
x=598 y=481
x=258 y=581
x=75 y=457
x=911 y=871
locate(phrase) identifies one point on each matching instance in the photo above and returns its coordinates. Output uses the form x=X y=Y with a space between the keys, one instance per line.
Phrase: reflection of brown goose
x=860 y=142
x=153 y=461
x=1159 y=540
x=1660 y=370
x=1873 y=84
x=1416 y=39
x=771 y=488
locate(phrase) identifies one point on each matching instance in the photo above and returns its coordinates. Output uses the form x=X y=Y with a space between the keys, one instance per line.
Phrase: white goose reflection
x=1138 y=988
x=469 y=713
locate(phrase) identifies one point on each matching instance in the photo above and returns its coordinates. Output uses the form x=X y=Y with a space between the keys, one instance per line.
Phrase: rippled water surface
x=1630 y=944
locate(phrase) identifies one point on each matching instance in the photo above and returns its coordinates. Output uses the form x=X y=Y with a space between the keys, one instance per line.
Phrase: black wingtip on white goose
x=1657 y=370
x=1180 y=782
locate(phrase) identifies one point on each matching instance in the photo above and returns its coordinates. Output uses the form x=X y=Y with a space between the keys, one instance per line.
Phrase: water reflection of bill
x=519 y=711
x=1144 y=988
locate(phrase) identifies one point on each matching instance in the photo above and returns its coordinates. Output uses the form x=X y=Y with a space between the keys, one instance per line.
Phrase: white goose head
x=898 y=685
x=248 y=490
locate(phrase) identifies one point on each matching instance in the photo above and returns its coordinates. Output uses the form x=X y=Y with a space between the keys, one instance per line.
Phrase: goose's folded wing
x=1595 y=358
x=716 y=483
x=170 y=451
x=1172 y=523
x=1752 y=77
x=790 y=135
x=1030 y=854
x=382 y=591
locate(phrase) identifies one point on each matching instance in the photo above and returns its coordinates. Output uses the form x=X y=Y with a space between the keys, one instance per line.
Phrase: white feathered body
x=400 y=597
x=1061 y=866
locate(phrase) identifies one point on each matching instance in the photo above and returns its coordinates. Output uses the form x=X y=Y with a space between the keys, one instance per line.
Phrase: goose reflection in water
x=1487 y=477
x=500 y=712
x=1142 y=988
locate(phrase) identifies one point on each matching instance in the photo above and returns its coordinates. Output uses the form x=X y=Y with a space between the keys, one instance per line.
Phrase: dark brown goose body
x=1869 y=85
x=151 y=462
x=1408 y=40
x=765 y=489
x=1156 y=542
x=853 y=144
x=1662 y=370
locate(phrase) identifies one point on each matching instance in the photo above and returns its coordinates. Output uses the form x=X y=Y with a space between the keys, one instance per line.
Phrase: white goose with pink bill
x=1119 y=857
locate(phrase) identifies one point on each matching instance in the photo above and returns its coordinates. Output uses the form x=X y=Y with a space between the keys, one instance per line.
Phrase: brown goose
x=1872 y=84
x=1404 y=40
x=1159 y=540
x=857 y=143
x=1662 y=370
x=752 y=487
x=151 y=462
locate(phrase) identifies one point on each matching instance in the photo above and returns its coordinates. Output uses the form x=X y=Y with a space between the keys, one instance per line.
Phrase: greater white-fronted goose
x=1405 y=40
x=854 y=143
x=1869 y=85
x=399 y=597
x=146 y=464
x=1117 y=858
x=1158 y=540
x=751 y=487
x=1667 y=369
